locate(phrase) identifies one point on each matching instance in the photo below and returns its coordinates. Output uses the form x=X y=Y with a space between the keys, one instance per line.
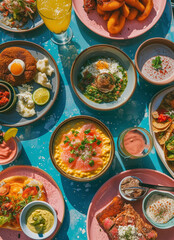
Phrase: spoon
x=164 y=188
x=143 y=185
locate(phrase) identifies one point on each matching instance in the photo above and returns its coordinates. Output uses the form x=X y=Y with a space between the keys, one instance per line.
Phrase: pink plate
x=110 y=189
x=54 y=196
x=131 y=29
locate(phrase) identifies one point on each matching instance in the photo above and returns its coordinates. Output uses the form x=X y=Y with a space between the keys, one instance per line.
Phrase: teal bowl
x=104 y=51
x=167 y=225
x=12 y=99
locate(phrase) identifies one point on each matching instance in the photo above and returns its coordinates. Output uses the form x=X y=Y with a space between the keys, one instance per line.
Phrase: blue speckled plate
x=29 y=26
x=12 y=118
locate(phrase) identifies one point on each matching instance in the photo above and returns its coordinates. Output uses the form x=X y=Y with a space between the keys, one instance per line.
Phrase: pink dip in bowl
x=134 y=142
x=8 y=151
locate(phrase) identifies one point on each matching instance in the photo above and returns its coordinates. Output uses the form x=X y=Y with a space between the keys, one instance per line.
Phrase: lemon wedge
x=41 y=96
x=11 y=132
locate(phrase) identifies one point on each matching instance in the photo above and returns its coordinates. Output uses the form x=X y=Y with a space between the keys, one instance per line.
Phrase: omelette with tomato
x=15 y=193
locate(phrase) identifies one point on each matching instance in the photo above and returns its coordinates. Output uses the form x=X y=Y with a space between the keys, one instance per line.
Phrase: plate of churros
x=119 y=19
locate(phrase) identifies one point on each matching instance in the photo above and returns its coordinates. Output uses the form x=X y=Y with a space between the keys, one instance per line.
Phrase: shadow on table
x=80 y=194
x=22 y=160
x=68 y=54
x=38 y=36
x=160 y=29
x=62 y=234
x=46 y=123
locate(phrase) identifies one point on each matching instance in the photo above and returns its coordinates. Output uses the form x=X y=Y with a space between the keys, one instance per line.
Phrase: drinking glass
x=56 y=15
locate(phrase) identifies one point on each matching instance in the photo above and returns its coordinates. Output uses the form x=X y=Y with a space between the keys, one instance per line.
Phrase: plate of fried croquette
x=24 y=56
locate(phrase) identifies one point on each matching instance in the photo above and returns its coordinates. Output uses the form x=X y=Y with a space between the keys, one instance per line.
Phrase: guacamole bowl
x=103 y=77
x=40 y=217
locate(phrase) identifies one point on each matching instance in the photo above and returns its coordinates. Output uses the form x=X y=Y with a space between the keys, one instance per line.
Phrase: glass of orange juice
x=56 y=15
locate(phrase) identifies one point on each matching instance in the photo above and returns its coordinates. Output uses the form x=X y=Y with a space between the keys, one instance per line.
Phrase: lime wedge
x=41 y=96
x=11 y=132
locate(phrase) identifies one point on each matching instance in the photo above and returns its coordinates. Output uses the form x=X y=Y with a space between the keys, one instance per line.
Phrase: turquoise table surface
x=35 y=138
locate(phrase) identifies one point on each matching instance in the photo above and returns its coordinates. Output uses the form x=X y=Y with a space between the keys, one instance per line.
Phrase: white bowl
x=23 y=222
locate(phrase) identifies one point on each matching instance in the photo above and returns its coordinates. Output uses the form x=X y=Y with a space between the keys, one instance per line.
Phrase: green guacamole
x=40 y=219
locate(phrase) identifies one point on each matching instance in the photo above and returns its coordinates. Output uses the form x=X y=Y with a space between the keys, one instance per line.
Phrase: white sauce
x=25 y=105
x=160 y=208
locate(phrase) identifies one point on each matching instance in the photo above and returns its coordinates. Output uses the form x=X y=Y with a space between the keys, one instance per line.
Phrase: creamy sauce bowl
x=158 y=208
x=134 y=143
x=24 y=218
x=147 y=52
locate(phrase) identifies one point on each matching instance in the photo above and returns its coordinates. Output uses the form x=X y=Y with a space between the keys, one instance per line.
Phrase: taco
x=169 y=149
x=15 y=193
x=162 y=137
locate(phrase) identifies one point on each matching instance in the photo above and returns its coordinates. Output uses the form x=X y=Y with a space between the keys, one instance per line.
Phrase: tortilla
x=166 y=135
x=15 y=193
x=160 y=126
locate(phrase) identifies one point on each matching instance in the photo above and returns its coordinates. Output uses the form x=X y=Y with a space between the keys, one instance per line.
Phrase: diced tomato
x=163 y=118
x=5 y=14
x=30 y=191
x=17 y=218
x=7 y=206
x=4 y=190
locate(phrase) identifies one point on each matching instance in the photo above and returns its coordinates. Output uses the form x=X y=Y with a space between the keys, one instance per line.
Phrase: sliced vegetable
x=30 y=191
x=4 y=190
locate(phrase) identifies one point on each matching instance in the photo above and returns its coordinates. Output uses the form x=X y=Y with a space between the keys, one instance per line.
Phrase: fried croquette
x=7 y=56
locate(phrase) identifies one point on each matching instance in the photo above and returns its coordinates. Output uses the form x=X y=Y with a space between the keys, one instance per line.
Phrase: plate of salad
x=19 y=15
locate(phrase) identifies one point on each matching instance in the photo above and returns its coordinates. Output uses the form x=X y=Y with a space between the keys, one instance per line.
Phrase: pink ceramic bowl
x=148 y=51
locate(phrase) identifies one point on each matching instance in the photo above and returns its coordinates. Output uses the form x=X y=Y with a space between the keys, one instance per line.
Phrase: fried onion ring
x=100 y=12
x=107 y=16
x=111 y=6
x=133 y=14
x=136 y=4
x=125 y=10
x=116 y=22
x=147 y=11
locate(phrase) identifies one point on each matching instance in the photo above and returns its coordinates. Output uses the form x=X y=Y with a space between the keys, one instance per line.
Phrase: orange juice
x=56 y=14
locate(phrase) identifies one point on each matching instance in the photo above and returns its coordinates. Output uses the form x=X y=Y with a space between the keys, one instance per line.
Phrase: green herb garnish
x=157 y=63
x=87 y=131
x=83 y=158
x=71 y=160
x=94 y=154
x=98 y=142
x=66 y=139
x=91 y=163
x=75 y=132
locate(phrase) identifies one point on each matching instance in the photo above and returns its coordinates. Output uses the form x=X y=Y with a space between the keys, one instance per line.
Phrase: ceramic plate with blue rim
x=104 y=51
x=167 y=225
x=29 y=26
x=12 y=117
